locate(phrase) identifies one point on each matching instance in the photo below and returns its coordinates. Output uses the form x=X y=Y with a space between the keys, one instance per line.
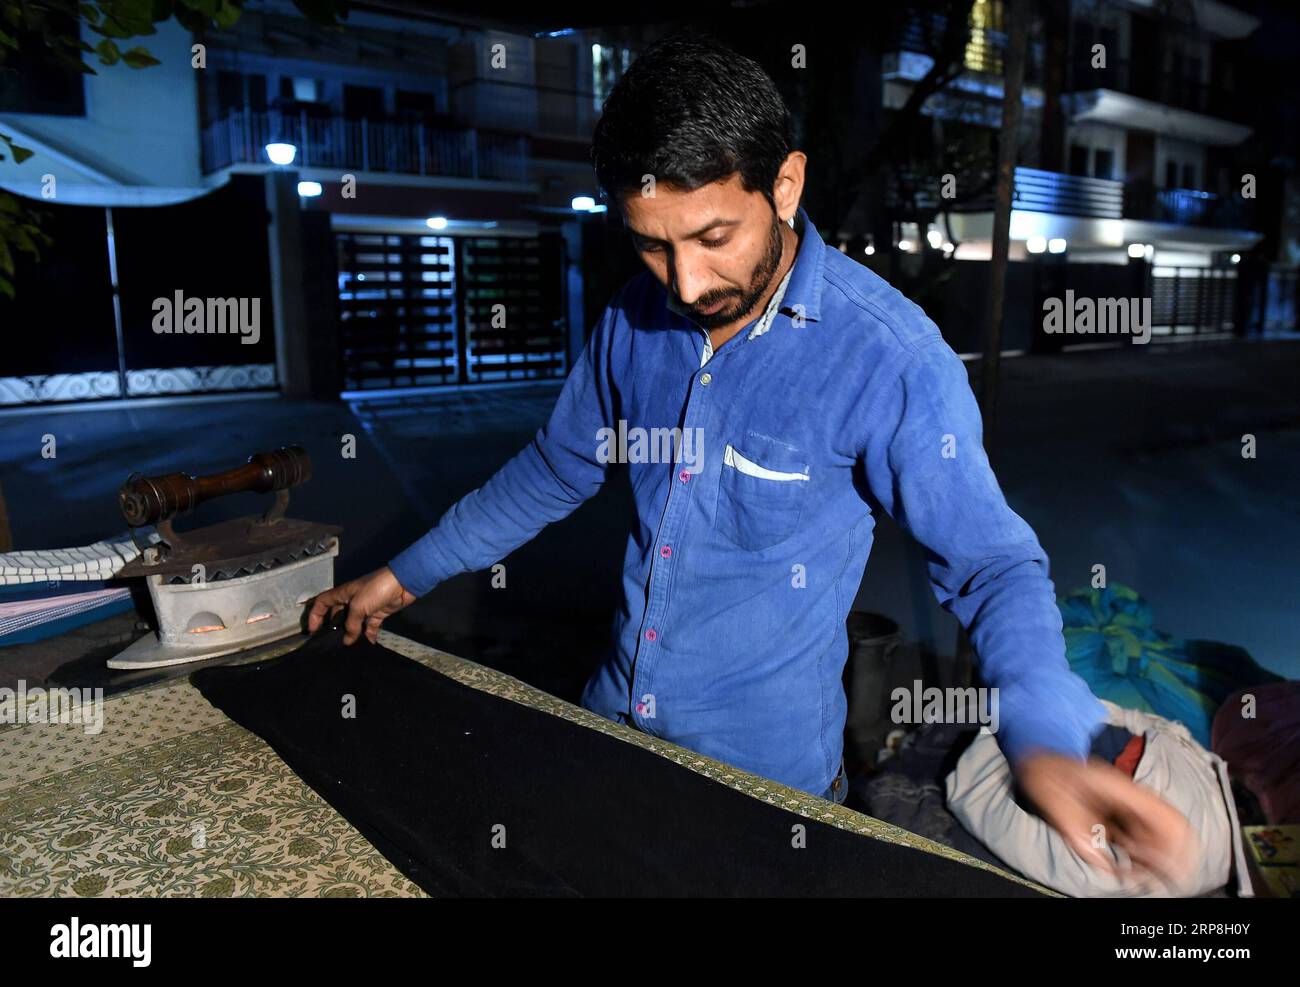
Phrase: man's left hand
x=1075 y=797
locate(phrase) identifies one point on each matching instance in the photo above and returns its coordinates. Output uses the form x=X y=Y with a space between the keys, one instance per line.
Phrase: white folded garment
x=102 y=560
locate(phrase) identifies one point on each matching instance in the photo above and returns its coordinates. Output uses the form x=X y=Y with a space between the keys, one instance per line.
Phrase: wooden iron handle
x=150 y=499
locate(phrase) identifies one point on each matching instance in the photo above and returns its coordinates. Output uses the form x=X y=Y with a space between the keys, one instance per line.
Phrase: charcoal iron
x=230 y=586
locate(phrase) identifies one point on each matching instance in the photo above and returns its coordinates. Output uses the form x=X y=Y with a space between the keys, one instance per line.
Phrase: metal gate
x=427 y=310
x=87 y=318
x=1192 y=300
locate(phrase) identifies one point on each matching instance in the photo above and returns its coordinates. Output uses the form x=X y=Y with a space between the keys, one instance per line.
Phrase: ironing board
x=173 y=799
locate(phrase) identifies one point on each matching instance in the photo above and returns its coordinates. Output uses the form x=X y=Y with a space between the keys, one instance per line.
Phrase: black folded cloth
x=470 y=794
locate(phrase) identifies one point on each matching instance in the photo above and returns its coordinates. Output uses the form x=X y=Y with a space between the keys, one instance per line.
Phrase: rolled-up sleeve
x=546 y=481
x=926 y=465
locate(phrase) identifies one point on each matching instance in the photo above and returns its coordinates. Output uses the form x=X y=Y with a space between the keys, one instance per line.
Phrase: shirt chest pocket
x=761 y=493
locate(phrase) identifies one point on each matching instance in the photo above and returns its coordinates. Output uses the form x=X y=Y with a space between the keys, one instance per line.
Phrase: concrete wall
x=141 y=125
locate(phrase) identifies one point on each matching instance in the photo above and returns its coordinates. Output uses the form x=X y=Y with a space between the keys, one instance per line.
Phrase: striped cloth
x=23 y=621
x=47 y=592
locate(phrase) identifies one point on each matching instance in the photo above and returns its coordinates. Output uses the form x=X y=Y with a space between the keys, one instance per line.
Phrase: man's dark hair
x=691 y=111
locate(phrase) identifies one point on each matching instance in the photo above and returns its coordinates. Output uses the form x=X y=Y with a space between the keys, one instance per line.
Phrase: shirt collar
x=800 y=290
x=774 y=306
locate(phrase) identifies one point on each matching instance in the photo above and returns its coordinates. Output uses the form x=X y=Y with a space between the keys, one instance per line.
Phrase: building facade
x=1133 y=177
x=416 y=228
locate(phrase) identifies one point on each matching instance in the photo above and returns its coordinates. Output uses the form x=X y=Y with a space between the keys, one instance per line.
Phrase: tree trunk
x=1014 y=67
x=1014 y=75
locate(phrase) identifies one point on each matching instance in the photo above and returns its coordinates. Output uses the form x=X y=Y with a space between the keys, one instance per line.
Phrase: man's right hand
x=370 y=600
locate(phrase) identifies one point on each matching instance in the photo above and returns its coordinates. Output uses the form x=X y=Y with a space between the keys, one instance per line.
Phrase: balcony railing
x=405 y=147
x=1076 y=195
x=1142 y=80
x=1057 y=193
x=1186 y=207
x=1068 y=195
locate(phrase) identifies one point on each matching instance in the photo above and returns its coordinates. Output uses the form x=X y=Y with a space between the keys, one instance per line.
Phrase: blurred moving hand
x=370 y=600
x=1073 y=797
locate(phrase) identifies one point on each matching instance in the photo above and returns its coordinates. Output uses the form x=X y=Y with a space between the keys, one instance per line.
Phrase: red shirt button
x=683 y=476
x=665 y=551
x=650 y=634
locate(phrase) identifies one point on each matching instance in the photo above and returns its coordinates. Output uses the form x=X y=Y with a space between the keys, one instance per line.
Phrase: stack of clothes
x=950 y=782
x=908 y=788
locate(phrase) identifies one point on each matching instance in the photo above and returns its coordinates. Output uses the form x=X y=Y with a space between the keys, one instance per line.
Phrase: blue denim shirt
x=748 y=551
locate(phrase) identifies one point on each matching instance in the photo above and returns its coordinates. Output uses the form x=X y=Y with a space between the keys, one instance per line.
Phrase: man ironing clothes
x=820 y=395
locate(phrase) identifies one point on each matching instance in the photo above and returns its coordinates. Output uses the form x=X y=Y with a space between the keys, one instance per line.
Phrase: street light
x=281 y=153
x=309 y=190
x=436 y=222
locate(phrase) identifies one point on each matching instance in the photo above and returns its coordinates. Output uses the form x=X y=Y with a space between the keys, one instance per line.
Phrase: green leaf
x=35 y=235
x=108 y=52
x=227 y=15
x=6 y=287
x=131 y=16
x=7 y=40
x=6 y=258
x=20 y=154
x=134 y=10
x=112 y=28
x=139 y=58
x=89 y=11
x=68 y=58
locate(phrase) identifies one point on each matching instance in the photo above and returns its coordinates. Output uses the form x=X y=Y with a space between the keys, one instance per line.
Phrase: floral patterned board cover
x=173 y=799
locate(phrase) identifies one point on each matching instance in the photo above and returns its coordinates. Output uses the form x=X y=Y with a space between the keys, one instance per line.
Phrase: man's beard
x=758 y=285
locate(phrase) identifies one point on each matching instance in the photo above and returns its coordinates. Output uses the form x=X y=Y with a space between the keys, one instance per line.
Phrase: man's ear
x=787 y=191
